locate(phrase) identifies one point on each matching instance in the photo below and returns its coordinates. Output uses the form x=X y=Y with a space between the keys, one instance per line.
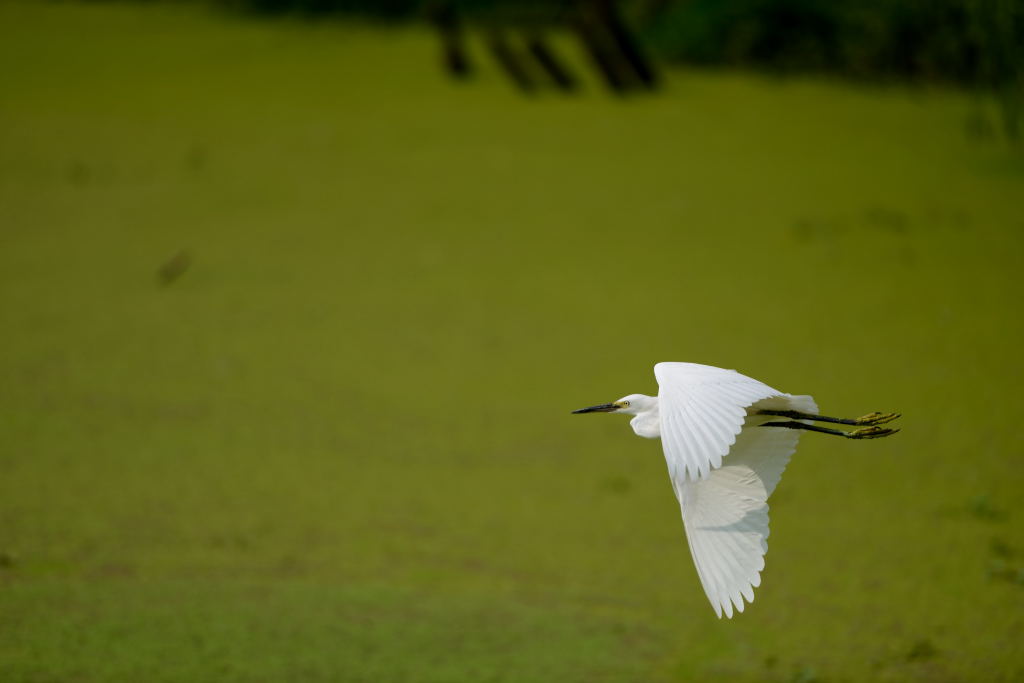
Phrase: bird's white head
x=634 y=404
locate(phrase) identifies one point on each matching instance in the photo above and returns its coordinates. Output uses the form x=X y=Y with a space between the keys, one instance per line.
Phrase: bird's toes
x=873 y=432
x=876 y=418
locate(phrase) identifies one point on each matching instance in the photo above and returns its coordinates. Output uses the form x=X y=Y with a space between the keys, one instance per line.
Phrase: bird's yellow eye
x=625 y=404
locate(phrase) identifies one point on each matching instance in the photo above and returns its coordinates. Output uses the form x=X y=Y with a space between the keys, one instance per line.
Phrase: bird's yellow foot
x=873 y=432
x=875 y=419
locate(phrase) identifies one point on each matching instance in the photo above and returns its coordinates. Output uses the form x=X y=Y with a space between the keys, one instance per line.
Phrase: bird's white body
x=722 y=468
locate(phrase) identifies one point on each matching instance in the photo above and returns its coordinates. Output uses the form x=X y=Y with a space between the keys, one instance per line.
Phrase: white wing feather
x=724 y=503
x=726 y=514
x=702 y=410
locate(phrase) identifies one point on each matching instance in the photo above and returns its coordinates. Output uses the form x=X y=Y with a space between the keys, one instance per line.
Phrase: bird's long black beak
x=603 y=408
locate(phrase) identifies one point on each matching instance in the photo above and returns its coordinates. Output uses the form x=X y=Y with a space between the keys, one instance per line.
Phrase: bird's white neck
x=647 y=422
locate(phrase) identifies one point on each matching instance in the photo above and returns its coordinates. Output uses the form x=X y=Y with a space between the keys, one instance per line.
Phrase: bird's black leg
x=862 y=421
x=870 y=432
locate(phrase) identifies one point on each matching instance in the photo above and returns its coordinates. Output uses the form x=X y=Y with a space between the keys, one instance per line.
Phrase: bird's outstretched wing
x=726 y=515
x=702 y=410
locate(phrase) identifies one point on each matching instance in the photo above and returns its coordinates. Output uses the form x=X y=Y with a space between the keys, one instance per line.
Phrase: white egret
x=723 y=466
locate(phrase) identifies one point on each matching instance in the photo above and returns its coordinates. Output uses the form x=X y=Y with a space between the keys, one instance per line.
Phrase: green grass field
x=338 y=447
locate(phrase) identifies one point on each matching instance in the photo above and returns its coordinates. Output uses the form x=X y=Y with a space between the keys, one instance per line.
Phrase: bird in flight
x=727 y=439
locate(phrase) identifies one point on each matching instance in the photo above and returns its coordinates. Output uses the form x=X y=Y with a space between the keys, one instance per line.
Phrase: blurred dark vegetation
x=971 y=43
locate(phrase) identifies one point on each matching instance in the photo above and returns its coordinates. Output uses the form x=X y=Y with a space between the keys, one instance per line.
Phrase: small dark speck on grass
x=1002 y=570
x=7 y=559
x=618 y=484
x=981 y=507
x=174 y=267
x=1001 y=548
x=809 y=229
x=196 y=158
x=887 y=219
x=921 y=650
x=79 y=173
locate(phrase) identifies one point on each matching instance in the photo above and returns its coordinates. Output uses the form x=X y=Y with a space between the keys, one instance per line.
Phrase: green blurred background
x=291 y=325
